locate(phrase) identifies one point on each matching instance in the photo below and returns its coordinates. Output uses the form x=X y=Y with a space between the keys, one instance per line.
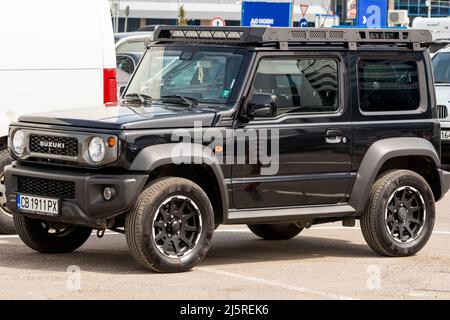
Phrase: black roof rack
x=262 y=35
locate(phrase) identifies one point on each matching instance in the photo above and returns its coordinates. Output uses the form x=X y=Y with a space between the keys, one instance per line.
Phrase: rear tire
x=171 y=226
x=6 y=218
x=282 y=231
x=400 y=213
x=43 y=237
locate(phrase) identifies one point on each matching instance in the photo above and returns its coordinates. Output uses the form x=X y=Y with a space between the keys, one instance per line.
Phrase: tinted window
x=441 y=68
x=388 y=85
x=301 y=85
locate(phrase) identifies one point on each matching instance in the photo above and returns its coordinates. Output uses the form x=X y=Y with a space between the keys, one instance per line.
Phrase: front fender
x=152 y=157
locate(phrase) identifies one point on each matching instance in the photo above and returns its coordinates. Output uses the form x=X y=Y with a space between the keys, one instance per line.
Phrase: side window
x=125 y=63
x=387 y=85
x=300 y=85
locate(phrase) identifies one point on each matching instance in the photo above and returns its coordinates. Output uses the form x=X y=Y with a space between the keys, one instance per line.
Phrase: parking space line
x=108 y=233
x=274 y=284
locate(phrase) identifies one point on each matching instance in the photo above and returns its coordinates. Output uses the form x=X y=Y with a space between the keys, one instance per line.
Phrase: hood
x=442 y=94
x=126 y=117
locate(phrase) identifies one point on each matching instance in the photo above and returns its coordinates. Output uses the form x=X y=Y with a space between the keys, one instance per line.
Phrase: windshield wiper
x=142 y=97
x=191 y=102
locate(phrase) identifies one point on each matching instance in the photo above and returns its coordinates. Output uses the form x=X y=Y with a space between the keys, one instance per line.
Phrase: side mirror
x=122 y=89
x=262 y=105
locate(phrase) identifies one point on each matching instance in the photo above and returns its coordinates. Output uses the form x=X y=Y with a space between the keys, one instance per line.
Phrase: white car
x=63 y=57
x=441 y=71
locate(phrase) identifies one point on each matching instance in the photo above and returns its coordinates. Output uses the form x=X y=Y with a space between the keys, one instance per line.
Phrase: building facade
x=419 y=8
x=200 y=12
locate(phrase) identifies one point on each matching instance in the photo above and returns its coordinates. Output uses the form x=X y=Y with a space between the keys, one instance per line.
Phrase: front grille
x=442 y=112
x=61 y=146
x=46 y=187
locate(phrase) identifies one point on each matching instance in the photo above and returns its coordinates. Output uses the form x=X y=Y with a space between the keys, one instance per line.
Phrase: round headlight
x=18 y=142
x=96 y=149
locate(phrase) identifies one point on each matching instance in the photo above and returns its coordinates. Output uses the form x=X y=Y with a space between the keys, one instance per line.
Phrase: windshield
x=207 y=75
x=441 y=68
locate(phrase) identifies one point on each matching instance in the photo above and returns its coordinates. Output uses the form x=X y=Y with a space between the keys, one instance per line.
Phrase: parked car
x=126 y=64
x=276 y=128
x=131 y=41
x=129 y=49
x=441 y=71
x=66 y=60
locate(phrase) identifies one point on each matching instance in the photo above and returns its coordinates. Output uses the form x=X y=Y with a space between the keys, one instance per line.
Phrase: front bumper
x=87 y=207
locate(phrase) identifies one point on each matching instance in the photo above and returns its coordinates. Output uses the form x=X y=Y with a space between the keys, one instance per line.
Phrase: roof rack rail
x=261 y=35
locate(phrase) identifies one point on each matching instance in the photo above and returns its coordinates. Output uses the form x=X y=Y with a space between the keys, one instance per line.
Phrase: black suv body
x=276 y=128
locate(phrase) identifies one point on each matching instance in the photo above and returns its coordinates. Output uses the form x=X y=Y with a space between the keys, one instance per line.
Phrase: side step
x=279 y=215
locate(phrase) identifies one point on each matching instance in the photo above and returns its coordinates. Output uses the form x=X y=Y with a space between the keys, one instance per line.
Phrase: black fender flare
x=380 y=152
x=150 y=158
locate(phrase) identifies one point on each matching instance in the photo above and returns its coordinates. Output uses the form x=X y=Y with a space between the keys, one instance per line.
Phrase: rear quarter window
x=389 y=85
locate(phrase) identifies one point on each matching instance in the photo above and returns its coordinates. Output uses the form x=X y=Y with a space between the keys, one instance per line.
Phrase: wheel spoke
x=176 y=246
x=396 y=201
x=400 y=232
x=408 y=229
x=391 y=208
x=159 y=236
x=186 y=240
x=403 y=198
x=414 y=209
x=165 y=213
x=189 y=228
x=188 y=216
x=414 y=220
x=410 y=201
x=166 y=246
x=159 y=224
x=181 y=209
x=393 y=227
x=173 y=207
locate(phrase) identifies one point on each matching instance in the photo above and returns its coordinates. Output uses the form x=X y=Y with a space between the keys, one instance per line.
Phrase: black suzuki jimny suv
x=276 y=128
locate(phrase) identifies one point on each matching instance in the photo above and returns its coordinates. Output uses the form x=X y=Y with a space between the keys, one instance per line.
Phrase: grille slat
x=46 y=187
x=40 y=144
x=442 y=112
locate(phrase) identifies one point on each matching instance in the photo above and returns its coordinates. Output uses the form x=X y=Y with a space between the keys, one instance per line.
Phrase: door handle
x=334 y=136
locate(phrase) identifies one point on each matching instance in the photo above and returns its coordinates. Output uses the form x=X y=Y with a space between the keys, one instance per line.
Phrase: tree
x=182 y=21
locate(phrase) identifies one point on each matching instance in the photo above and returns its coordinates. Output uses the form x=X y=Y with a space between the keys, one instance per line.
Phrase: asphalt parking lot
x=324 y=262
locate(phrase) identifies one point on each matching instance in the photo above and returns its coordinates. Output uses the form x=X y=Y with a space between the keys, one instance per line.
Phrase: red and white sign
x=217 y=22
x=304 y=9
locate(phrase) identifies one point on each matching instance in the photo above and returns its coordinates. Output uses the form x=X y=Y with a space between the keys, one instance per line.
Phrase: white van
x=440 y=30
x=439 y=27
x=54 y=54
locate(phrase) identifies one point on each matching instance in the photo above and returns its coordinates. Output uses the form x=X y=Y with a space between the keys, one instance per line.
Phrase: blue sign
x=372 y=13
x=264 y=14
x=303 y=23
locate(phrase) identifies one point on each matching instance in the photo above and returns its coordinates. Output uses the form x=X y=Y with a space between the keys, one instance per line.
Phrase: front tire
x=281 y=231
x=6 y=218
x=171 y=227
x=50 y=238
x=400 y=214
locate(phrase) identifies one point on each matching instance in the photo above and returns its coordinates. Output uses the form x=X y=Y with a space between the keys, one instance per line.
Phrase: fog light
x=108 y=193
